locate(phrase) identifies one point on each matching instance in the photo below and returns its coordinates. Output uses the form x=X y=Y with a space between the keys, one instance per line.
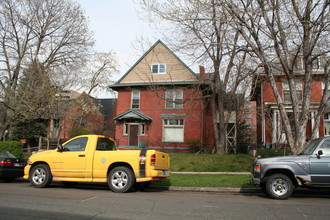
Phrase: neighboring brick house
x=269 y=129
x=248 y=116
x=160 y=104
x=93 y=114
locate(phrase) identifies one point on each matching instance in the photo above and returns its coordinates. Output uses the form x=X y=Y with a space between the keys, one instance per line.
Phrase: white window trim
x=317 y=60
x=132 y=96
x=158 y=68
x=175 y=105
x=142 y=132
x=286 y=89
x=180 y=125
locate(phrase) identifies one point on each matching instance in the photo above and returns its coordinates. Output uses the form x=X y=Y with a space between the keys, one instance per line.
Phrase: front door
x=133 y=135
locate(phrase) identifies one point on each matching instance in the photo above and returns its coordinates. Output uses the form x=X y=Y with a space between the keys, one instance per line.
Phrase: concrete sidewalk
x=240 y=173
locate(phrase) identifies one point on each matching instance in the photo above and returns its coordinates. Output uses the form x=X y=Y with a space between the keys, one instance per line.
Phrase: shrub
x=76 y=131
x=269 y=152
x=194 y=145
x=14 y=147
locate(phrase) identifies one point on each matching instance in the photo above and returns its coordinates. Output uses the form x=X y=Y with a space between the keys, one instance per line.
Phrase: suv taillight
x=153 y=160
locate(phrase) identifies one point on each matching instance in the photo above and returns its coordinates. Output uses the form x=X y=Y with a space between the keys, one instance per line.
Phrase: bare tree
x=50 y=33
x=99 y=72
x=279 y=32
x=203 y=31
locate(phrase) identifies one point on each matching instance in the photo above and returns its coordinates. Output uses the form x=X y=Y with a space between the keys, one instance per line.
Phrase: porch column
x=313 y=124
x=279 y=138
x=274 y=127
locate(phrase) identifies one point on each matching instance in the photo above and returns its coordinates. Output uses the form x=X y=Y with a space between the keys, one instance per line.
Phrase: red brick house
x=93 y=114
x=269 y=131
x=160 y=104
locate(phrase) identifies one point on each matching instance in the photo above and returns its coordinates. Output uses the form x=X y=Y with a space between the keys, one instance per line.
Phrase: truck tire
x=121 y=179
x=279 y=186
x=40 y=176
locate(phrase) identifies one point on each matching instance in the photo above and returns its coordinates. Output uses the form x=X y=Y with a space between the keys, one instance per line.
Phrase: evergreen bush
x=14 y=147
x=269 y=152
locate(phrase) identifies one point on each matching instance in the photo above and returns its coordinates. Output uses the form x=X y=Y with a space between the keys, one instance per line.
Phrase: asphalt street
x=21 y=201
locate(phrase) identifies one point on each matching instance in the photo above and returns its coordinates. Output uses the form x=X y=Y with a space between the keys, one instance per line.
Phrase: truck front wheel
x=279 y=186
x=40 y=176
x=121 y=179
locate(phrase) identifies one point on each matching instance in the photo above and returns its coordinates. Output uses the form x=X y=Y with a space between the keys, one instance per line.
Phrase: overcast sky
x=116 y=27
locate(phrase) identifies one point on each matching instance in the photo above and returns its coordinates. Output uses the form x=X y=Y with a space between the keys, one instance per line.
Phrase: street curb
x=207 y=189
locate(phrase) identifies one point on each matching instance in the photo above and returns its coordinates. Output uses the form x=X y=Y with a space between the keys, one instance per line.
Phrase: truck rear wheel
x=40 y=176
x=121 y=179
x=279 y=186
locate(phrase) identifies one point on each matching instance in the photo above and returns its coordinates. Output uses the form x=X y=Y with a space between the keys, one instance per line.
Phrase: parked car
x=10 y=166
x=278 y=176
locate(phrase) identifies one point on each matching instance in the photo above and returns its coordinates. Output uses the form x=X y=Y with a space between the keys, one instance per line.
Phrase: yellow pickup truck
x=95 y=158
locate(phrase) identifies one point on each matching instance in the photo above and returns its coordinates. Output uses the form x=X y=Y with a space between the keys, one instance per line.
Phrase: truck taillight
x=153 y=160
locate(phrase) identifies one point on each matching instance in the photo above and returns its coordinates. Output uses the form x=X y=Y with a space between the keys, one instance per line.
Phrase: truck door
x=71 y=162
x=320 y=165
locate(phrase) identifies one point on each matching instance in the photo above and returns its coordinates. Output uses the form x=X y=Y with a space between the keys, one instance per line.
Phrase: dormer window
x=158 y=68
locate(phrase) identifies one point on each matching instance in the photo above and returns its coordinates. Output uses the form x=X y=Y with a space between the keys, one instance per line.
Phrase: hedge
x=14 y=147
x=269 y=152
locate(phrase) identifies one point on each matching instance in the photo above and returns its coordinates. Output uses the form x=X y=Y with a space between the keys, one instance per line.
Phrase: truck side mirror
x=319 y=153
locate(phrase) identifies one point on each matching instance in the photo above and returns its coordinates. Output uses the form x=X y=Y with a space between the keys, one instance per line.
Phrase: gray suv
x=278 y=176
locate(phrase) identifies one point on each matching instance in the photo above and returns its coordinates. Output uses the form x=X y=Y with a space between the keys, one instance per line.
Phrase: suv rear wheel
x=279 y=186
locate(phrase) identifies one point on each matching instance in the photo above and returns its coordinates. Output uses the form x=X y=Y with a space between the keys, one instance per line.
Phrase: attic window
x=158 y=68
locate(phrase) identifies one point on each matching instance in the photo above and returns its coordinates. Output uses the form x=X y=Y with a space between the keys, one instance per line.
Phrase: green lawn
x=209 y=163
x=207 y=180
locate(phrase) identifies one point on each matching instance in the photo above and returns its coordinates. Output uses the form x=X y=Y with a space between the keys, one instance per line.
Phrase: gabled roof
x=133 y=114
x=106 y=106
x=137 y=76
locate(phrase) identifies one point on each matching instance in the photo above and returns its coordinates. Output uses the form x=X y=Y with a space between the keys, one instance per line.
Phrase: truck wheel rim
x=119 y=179
x=279 y=187
x=39 y=176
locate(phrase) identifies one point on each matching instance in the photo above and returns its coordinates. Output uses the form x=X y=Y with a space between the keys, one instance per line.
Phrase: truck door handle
x=81 y=155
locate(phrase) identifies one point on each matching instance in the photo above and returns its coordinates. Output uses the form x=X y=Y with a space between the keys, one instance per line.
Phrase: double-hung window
x=315 y=64
x=287 y=91
x=135 y=98
x=158 y=68
x=174 y=98
x=173 y=130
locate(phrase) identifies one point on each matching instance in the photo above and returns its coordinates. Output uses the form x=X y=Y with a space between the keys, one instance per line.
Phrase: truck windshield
x=311 y=147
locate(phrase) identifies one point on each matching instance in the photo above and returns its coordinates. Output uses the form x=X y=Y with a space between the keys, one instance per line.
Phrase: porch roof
x=133 y=114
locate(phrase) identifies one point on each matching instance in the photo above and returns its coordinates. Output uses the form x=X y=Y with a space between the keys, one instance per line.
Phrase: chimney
x=202 y=73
